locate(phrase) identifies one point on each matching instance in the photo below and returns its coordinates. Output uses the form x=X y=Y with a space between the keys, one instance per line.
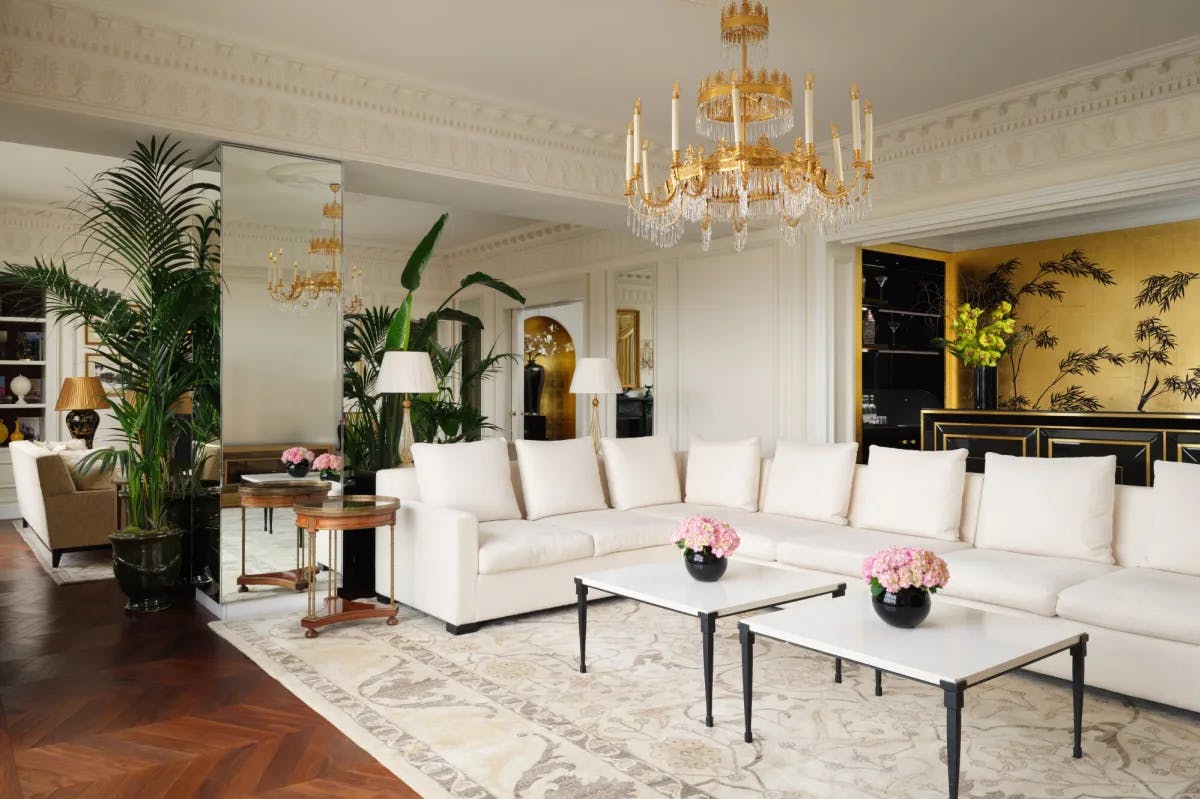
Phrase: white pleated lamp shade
x=595 y=376
x=404 y=372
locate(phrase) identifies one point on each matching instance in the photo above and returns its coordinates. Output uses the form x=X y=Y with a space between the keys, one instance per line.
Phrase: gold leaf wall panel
x=1092 y=315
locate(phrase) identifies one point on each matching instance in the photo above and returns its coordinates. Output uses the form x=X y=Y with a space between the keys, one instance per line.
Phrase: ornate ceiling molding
x=1125 y=116
x=83 y=60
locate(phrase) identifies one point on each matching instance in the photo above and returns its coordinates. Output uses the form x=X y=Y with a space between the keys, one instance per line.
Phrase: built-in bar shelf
x=902 y=312
x=5 y=406
x=22 y=363
x=32 y=320
x=898 y=350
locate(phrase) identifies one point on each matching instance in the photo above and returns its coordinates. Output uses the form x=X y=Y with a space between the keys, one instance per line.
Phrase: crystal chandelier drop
x=305 y=288
x=748 y=178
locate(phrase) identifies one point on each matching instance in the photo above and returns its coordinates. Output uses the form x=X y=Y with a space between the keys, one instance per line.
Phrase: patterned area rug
x=74 y=567
x=504 y=712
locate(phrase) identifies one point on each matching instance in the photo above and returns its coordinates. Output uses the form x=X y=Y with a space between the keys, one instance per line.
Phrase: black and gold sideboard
x=1136 y=439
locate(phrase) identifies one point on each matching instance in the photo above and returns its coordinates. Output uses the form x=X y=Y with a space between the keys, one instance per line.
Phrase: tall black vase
x=535 y=379
x=985 y=388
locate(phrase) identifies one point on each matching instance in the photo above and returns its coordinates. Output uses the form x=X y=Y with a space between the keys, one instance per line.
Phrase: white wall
x=744 y=341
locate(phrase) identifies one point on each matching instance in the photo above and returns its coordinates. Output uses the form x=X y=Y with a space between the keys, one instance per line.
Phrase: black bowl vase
x=146 y=565
x=299 y=469
x=907 y=608
x=703 y=565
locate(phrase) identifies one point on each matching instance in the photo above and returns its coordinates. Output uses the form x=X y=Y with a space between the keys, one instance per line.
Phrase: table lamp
x=404 y=372
x=595 y=376
x=82 y=396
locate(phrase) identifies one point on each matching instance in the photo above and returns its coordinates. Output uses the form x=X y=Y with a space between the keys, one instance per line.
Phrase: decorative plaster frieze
x=81 y=59
x=1130 y=114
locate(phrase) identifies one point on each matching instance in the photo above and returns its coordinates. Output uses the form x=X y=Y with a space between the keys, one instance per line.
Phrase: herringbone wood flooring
x=95 y=703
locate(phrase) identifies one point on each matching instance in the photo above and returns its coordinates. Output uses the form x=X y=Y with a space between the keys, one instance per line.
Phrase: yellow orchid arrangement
x=975 y=344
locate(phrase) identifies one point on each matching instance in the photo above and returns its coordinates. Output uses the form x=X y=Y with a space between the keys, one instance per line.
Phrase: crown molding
x=1124 y=116
x=81 y=59
x=522 y=238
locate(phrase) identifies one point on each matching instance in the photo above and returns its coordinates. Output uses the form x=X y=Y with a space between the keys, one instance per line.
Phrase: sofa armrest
x=81 y=518
x=437 y=561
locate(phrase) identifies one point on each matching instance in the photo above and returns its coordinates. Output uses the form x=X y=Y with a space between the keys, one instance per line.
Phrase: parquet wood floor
x=95 y=703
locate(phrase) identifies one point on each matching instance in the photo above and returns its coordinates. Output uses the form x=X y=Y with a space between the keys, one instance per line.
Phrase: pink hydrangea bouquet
x=327 y=462
x=294 y=455
x=905 y=567
x=697 y=532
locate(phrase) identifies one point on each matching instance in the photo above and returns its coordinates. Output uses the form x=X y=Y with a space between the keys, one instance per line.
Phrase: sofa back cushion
x=1173 y=534
x=471 y=476
x=811 y=481
x=913 y=492
x=1056 y=507
x=641 y=471
x=724 y=473
x=90 y=479
x=559 y=477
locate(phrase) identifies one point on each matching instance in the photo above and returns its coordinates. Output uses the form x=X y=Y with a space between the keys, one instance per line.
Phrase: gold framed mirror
x=629 y=347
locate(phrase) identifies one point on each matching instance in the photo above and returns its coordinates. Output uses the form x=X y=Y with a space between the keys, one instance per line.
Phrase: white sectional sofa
x=1038 y=541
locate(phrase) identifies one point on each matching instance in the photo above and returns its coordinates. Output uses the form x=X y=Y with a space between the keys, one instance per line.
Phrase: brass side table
x=279 y=494
x=338 y=514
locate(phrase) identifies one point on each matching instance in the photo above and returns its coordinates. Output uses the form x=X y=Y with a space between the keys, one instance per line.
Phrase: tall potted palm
x=150 y=222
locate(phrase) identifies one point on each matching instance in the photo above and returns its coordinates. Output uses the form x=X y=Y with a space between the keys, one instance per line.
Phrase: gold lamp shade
x=81 y=393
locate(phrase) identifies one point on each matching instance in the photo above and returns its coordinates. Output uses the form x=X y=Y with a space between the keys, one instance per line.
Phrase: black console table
x=635 y=416
x=1137 y=439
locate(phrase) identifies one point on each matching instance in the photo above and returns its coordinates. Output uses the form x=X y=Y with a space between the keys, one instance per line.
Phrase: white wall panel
x=729 y=345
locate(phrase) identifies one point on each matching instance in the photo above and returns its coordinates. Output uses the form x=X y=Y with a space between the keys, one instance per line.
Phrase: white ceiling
x=587 y=61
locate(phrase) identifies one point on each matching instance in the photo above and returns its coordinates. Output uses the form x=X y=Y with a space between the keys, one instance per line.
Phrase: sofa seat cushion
x=511 y=544
x=617 y=530
x=764 y=532
x=1150 y=602
x=841 y=550
x=1016 y=580
x=676 y=512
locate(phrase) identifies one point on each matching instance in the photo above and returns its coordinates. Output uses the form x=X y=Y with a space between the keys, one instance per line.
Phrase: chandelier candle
x=743 y=176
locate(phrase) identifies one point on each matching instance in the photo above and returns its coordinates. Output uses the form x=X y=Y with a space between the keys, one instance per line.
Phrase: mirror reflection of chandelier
x=748 y=178
x=304 y=288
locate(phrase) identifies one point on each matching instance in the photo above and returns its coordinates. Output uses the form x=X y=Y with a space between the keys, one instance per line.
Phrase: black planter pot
x=535 y=379
x=198 y=517
x=298 y=469
x=703 y=565
x=908 y=608
x=358 y=546
x=986 y=393
x=147 y=567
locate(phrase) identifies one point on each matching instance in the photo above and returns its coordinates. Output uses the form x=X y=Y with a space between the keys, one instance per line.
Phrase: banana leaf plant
x=152 y=223
x=371 y=426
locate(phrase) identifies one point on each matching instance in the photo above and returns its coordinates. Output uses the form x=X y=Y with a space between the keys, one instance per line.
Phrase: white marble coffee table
x=745 y=586
x=954 y=649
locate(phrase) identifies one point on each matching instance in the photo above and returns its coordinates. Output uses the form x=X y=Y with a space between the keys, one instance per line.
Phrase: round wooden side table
x=279 y=494
x=337 y=515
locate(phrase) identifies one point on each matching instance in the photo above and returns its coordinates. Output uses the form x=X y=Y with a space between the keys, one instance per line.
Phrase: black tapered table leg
x=747 y=639
x=1078 y=653
x=708 y=626
x=581 y=596
x=954 y=705
x=837 y=670
x=878 y=682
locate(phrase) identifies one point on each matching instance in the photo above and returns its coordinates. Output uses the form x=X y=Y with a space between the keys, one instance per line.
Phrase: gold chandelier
x=304 y=289
x=748 y=178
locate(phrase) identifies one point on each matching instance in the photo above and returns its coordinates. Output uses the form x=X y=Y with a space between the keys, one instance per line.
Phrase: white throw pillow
x=723 y=473
x=1055 y=507
x=1173 y=533
x=559 y=477
x=909 y=491
x=641 y=471
x=811 y=481
x=472 y=476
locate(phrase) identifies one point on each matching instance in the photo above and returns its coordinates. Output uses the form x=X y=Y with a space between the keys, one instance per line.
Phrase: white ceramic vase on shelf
x=20 y=386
